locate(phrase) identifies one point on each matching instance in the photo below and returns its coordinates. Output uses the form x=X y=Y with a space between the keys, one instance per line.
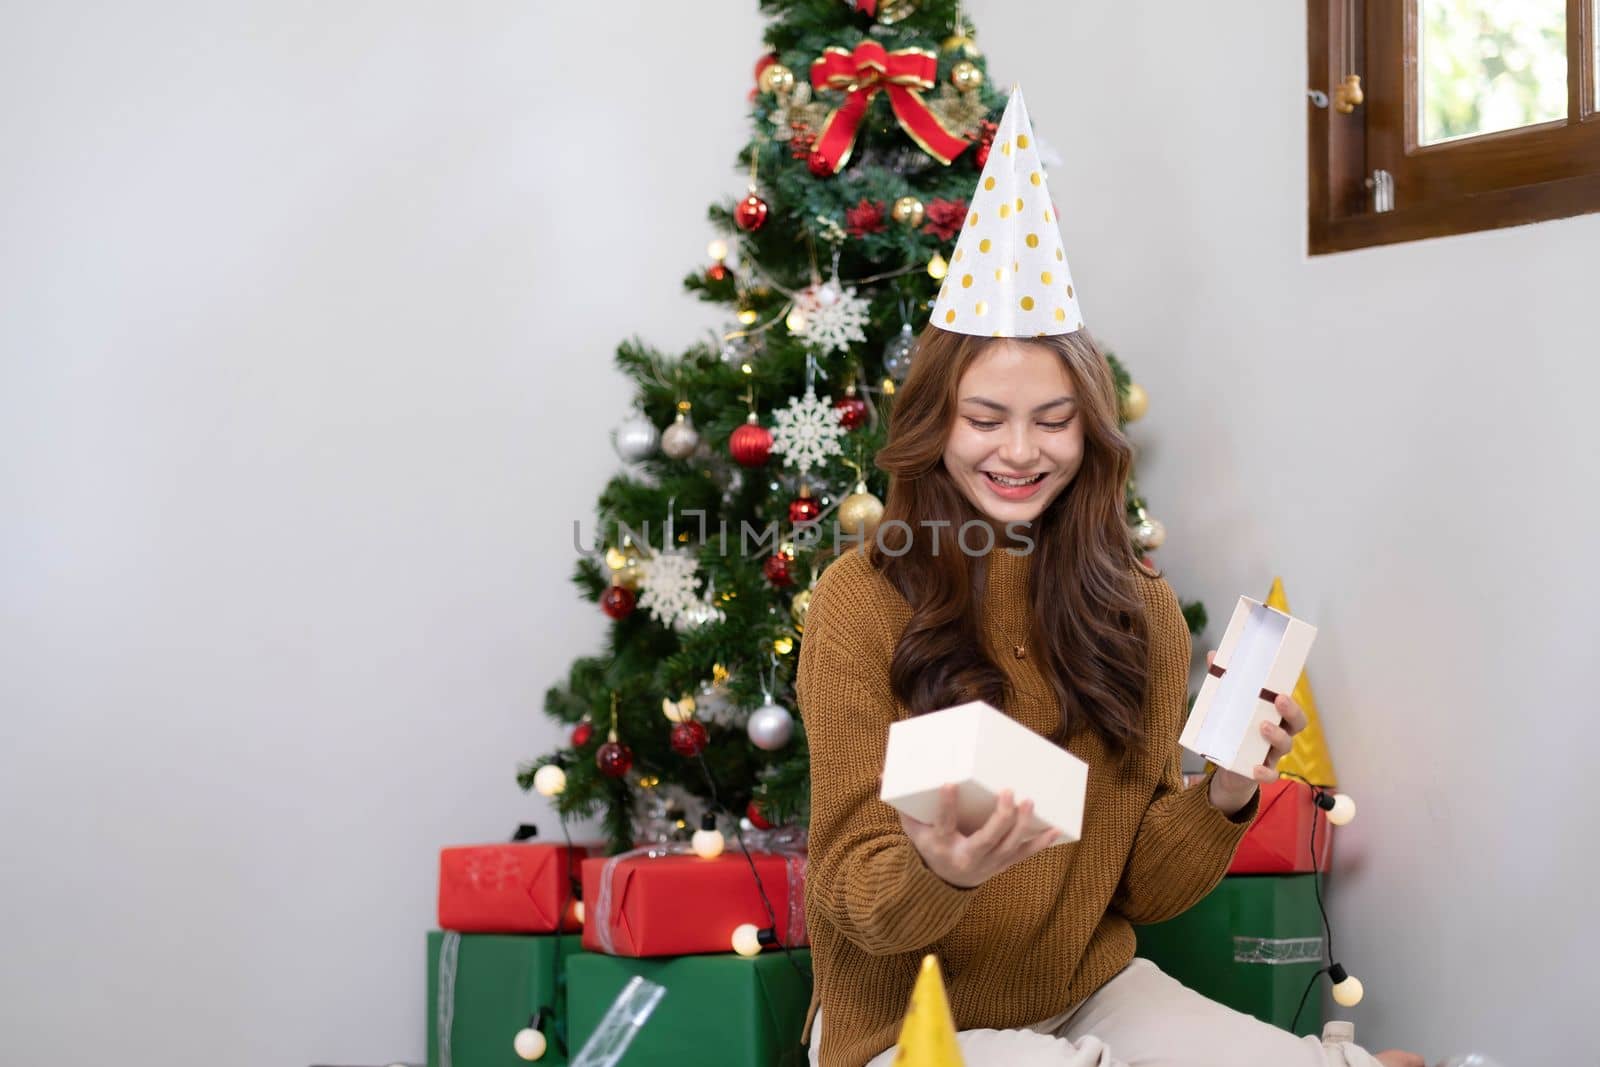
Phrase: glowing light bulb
x=747 y=940
x=530 y=1044
x=549 y=780
x=707 y=841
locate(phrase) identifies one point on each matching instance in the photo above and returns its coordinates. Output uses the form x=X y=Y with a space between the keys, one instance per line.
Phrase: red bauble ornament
x=852 y=410
x=751 y=214
x=613 y=759
x=617 y=602
x=804 y=508
x=757 y=820
x=688 y=738
x=776 y=568
x=716 y=273
x=582 y=734
x=751 y=444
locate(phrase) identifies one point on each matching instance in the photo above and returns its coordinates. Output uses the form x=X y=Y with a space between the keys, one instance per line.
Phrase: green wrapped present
x=1253 y=944
x=718 y=1011
x=482 y=988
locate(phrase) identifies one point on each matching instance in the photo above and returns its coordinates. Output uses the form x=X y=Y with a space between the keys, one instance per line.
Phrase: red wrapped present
x=513 y=888
x=666 y=901
x=1279 y=841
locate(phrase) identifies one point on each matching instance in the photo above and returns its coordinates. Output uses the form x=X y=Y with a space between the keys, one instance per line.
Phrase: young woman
x=1059 y=626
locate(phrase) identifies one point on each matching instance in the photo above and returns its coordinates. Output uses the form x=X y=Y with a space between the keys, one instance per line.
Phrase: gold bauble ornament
x=860 y=511
x=966 y=76
x=908 y=211
x=799 y=606
x=1136 y=403
x=776 y=78
x=961 y=43
x=892 y=11
x=624 y=567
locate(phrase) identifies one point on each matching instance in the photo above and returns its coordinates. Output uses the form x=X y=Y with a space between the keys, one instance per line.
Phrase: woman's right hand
x=969 y=860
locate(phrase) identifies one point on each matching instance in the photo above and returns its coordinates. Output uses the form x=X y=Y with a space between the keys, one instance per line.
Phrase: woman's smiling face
x=1017 y=441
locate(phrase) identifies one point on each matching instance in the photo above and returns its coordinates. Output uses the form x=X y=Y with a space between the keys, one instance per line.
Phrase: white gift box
x=1261 y=655
x=981 y=751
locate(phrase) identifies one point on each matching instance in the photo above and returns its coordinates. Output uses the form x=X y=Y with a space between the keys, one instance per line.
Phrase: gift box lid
x=982 y=751
x=1261 y=655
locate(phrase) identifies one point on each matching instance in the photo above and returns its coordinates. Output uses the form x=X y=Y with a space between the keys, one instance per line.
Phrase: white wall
x=306 y=331
x=306 y=335
x=1401 y=433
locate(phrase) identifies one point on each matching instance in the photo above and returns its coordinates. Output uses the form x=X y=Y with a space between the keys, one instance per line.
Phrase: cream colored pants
x=1142 y=1018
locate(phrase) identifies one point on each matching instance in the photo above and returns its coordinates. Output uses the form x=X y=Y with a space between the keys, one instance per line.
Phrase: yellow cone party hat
x=1309 y=757
x=1008 y=276
x=928 y=1034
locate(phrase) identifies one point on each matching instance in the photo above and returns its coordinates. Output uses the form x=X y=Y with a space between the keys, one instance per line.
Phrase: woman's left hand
x=1230 y=791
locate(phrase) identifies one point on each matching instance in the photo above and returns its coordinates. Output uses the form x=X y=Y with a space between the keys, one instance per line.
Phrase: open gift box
x=1261 y=655
x=982 y=751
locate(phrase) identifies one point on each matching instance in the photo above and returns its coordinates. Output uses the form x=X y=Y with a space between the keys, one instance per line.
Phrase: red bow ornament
x=866 y=71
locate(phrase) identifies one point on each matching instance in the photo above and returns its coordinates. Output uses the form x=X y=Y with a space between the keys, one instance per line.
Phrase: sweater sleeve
x=1183 y=845
x=863 y=874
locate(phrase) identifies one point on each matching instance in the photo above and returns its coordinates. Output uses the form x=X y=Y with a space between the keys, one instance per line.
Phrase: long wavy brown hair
x=1087 y=618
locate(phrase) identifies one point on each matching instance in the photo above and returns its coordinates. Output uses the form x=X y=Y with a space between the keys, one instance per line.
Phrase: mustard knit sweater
x=1040 y=936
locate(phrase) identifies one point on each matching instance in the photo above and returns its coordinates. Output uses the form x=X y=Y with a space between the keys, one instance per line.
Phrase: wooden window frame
x=1530 y=174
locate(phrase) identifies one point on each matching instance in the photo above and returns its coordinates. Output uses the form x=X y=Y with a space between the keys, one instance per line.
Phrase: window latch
x=1382 y=185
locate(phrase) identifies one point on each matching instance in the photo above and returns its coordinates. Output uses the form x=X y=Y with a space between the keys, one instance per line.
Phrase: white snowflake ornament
x=834 y=316
x=667 y=586
x=807 y=432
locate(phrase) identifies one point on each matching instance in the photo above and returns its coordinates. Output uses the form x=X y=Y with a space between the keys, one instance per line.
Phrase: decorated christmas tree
x=749 y=460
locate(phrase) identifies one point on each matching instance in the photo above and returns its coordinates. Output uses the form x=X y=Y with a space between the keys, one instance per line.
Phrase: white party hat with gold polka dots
x=1008 y=276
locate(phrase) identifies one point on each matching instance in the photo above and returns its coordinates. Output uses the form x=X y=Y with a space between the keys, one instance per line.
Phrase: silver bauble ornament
x=737 y=350
x=1150 y=534
x=636 y=438
x=681 y=438
x=897 y=353
x=770 y=727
